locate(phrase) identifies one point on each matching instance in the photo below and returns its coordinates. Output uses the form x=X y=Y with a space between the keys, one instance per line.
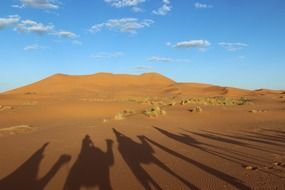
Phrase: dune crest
x=114 y=85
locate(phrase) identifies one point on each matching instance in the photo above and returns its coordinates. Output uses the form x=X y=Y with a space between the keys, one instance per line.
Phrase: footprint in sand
x=19 y=129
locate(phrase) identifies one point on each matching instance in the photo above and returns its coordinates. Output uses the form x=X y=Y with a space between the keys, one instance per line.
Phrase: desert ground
x=131 y=132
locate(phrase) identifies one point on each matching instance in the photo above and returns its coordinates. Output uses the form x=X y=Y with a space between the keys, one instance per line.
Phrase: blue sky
x=225 y=42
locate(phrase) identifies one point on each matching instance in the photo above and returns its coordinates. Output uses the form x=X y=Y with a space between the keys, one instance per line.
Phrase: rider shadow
x=25 y=176
x=135 y=154
x=92 y=167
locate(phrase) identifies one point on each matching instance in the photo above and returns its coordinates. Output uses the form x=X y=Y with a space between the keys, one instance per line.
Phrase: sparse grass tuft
x=219 y=100
x=257 y=111
x=172 y=104
x=197 y=109
x=154 y=112
x=129 y=112
x=119 y=116
x=123 y=114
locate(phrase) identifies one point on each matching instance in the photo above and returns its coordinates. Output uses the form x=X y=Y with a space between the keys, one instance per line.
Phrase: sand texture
x=127 y=132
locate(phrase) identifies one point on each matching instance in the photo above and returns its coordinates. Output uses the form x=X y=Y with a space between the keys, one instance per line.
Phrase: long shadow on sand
x=219 y=174
x=92 y=167
x=208 y=148
x=25 y=176
x=244 y=141
x=136 y=154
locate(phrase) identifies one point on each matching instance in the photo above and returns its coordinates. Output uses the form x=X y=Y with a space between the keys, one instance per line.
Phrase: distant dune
x=108 y=84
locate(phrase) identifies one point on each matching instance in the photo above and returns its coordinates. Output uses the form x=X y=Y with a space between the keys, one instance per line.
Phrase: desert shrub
x=257 y=111
x=119 y=116
x=183 y=102
x=123 y=114
x=219 y=100
x=197 y=109
x=129 y=112
x=172 y=104
x=154 y=111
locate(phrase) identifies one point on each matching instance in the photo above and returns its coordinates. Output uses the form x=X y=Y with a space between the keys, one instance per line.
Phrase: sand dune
x=107 y=84
x=108 y=131
x=97 y=83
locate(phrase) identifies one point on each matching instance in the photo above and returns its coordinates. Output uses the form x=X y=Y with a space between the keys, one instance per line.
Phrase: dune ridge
x=108 y=84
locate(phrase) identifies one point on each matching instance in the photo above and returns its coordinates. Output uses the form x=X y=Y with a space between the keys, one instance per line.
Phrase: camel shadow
x=92 y=167
x=219 y=174
x=25 y=176
x=135 y=154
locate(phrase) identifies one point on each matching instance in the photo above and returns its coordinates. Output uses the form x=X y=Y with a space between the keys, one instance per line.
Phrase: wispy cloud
x=143 y=68
x=34 y=27
x=105 y=55
x=9 y=21
x=66 y=34
x=192 y=44
x=17 y=6
x=164 y=9
x=159 y=59
x=233 y=46
x=137 y=10
x=38 y=4
x=33 y=47
x=124 y=3
x=127 y=25
x=199 y=5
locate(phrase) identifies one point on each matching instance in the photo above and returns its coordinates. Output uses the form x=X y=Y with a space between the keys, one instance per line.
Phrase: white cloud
x=233 y=46
x=124 y=3
x=105 y=55
x=17 y=6
x=33 y=47
x=199 y=5
x=39 y=4
x=159 y=59
x=137 y=9
x=35 y=27
x=164 y=9
x=9 y=21
x=192 y=44
x=66 y=34
x=127 y=25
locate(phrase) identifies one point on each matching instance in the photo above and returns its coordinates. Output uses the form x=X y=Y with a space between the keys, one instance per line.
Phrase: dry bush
x=197 y=109
x=123 y=114
x=129 y=112
x=219 y=100
x=119 y=116
x=183 y=102
x=172 y=104
x=154 y=111
x=257 y=111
